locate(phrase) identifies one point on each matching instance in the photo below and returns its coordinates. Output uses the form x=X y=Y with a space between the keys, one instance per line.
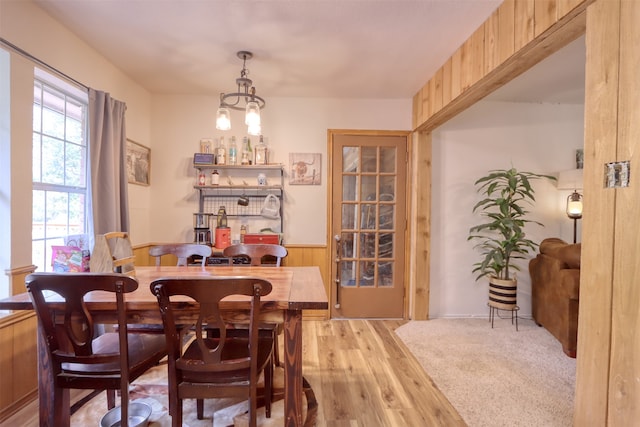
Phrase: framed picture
x=206 y=146
x=305 y=168
x=138 y=163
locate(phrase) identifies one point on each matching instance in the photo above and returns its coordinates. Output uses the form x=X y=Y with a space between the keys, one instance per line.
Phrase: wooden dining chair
x=258 y=254
x=77 y=359
x=214 y=365
x=264 y=255
x=182 y=251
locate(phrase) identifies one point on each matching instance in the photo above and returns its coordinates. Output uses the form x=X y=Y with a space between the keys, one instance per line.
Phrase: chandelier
x=244 y=98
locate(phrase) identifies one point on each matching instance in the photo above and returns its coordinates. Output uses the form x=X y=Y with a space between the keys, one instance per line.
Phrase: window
x=60 y=165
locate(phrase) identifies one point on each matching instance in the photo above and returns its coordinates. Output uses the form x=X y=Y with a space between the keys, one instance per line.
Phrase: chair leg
x=253 y=407
x=176 y=418
x=111 y=399
x=200 y=408
x=268 y=388
x=276 y=348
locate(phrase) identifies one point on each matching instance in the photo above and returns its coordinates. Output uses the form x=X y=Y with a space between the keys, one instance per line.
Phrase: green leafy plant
x=501 y=239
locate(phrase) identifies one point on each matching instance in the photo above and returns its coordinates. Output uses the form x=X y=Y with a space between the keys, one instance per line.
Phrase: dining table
x=294 y=289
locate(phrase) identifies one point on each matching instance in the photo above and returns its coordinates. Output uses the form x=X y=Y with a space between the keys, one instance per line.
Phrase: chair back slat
x=73 y=339
x=209 y=293
x=182 y=251
x=256 y=252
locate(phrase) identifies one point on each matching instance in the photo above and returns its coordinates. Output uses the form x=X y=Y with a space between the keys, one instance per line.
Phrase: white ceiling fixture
x=244 y=98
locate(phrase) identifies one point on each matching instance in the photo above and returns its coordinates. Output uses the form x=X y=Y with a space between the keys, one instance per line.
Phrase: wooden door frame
x=408 y=204
x=458 y=85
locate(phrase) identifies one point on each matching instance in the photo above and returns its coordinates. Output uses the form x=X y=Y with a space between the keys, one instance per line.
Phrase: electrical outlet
x=616 y=174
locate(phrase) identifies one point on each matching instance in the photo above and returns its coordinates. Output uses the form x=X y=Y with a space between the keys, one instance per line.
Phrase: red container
x=272 y=239
x=223 y=237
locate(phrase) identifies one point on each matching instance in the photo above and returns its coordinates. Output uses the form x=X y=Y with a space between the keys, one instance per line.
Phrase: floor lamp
x=572 y=180
x=574 y=211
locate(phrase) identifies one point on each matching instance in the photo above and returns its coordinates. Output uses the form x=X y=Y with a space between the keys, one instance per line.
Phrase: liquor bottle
x=261 y=152
x=201 y=178
x=221 y=155
x=245 y=152
x=233 y=151
x=250 y=150
x=215 y=177
x=214 y=150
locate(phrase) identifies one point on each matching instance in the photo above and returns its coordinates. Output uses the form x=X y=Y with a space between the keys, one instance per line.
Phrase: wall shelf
x=211 y=197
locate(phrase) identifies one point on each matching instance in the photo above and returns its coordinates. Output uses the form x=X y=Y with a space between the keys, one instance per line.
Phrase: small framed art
x=305 y=168
x=138 y=163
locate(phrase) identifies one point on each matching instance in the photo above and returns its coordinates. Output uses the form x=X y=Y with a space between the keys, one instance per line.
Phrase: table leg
x=293 y=368
x=54 y=402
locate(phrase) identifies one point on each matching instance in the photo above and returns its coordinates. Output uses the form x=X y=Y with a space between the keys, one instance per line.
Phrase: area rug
x=151 y=389
x=496 y=377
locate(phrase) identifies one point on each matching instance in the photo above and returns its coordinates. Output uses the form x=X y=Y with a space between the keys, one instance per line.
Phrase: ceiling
x=302 y=48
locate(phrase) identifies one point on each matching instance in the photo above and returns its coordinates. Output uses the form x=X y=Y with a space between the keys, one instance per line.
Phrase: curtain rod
x=40 y=62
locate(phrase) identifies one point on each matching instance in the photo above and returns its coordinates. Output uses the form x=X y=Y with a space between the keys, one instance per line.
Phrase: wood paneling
x=456 y=77
x=6 y=367
x=422 y=226
x=502 y=48
x=506 y=36
x=523 y=25
x=566 y=6
x=446 y=83
x=435 y=89
x=491 y=45
x=596 y=279
x=624 y=375
x=545 y=15
x=18 y=363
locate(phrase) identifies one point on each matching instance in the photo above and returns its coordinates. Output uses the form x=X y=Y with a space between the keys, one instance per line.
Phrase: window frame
x=59 y=95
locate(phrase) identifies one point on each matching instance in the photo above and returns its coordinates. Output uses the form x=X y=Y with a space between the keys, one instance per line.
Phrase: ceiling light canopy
x=244 y=98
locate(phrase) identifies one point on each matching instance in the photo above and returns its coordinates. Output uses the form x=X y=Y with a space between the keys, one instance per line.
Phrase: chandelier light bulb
x=252 y=115
x=223 y=119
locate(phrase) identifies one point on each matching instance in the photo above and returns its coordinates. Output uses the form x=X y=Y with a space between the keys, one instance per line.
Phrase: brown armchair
x=555 y=290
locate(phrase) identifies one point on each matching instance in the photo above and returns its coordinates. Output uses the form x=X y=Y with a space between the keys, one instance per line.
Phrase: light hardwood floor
x=361 y=374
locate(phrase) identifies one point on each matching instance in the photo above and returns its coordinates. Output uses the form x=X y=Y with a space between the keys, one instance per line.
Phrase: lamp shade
x=570 y=179
x=223 y=119
x=252 y=115
x=574 y=205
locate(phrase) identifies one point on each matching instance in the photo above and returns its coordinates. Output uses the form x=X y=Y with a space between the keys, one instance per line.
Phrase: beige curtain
x=107 y=152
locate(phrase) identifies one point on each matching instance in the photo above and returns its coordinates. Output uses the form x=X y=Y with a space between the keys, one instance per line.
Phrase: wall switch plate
x=616 y=174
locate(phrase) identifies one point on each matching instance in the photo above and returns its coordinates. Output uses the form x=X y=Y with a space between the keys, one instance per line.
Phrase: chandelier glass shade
x=223 y=119
x=244 y=98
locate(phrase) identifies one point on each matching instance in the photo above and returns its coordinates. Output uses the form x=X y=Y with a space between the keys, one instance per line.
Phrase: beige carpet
x=496 y=377
x=151 y=388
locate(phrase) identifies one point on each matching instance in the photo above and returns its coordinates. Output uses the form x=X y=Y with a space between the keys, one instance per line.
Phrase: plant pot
x=503 y=293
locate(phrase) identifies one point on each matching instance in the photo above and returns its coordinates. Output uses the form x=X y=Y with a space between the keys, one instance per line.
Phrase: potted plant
x=501 y=237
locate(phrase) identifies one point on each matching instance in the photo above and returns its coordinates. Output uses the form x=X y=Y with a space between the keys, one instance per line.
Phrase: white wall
x=28 y=27
x=291 y=125
x=493 y=135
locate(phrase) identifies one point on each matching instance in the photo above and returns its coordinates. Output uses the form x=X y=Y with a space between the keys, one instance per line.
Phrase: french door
x=368 y=212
